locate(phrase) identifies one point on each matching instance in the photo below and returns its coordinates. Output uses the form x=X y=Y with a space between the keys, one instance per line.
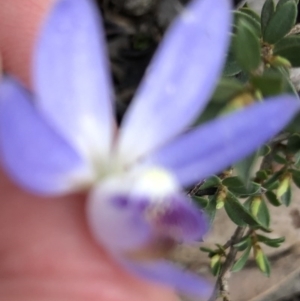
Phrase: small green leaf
x=271 y=242
x=239 y=214
x=288 y=85
x=251 y=20
x=245 y=167
x=280 y=61
x=268 y=84
x=207 y=250
x=290 y=88
x=213 y=181
x=296 y=177
x=262 y=262
x=210 y=209
x=202 y=202
x=236 y=211
x=255 y=205
x=284 y=185
x=297 y=160
x=246 y=47
x=286 y=198
x=236 y=186
x=263 y=214
x=221 y=248
x=255 y=188
x=261 y=175
x=212 y=110
x=281 y=22
x=247 y=204
x=274 y=185
x=264 y=150
x=231 y=67
x=240 y=263
x=289 y=48
x=221 y=196
x=226 y=89
x=251 y=13
x=269 y=184
x=284 y=71
x=267 y=12
x=272 y=198
x=215 y=264
x=293 y=144
x=243 y=77
x=233 y=182
x=279 y=159
x=281 y=2
x=243 y=243
x=220 y=204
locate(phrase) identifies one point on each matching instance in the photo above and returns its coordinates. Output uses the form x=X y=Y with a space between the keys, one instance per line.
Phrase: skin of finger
x=47 y=253
x=20 y=21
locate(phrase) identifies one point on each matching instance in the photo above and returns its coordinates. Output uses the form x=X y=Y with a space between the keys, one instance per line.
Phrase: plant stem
x=221 y=287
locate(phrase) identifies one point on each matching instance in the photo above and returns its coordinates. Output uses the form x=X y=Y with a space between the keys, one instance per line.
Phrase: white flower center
x=155 y=183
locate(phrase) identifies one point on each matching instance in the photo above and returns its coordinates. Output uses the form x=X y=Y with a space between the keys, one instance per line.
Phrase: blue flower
x=64 y=137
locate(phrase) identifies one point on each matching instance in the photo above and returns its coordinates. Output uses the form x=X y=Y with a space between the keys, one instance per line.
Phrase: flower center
x=156 y=183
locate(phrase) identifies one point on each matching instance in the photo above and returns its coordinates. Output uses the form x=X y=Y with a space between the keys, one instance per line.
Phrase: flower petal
x=180 y=79
x=169 y=274
x=219 y=143
x=116 y=223
x=71 y=76
x=178 y=219
x=139 y=237
x=125 y=221
x=31 y=151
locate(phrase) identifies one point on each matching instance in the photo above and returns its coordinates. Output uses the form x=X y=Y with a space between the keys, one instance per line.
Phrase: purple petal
x=117 y=223
x=222 y=142
x=71 y=76
x=179 y=219
x=168 y=274
x=31 y=151
x=180 y=79
x=125 y=223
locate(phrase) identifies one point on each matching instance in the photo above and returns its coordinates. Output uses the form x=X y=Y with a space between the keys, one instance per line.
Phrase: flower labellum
x=62 y=138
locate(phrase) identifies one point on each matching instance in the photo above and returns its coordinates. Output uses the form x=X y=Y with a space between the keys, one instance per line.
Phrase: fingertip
x=20 y=21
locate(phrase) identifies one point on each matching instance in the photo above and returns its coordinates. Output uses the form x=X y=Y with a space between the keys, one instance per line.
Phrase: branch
x=221 y=287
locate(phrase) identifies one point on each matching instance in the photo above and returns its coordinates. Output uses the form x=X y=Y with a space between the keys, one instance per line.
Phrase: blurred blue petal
x=169 y=274
x=218 y=144
x=116 y=222
x=31 y=151
x=180 y=79
x=124 y=223
x=139 y=232
x=176 y=217
x=71 y=77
